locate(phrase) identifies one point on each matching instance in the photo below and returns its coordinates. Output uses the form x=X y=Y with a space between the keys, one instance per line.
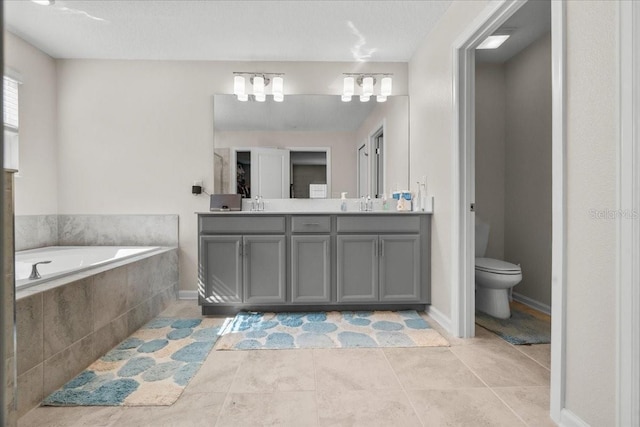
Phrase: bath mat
x=150 y=368
x=520 y=328
x=251 y=331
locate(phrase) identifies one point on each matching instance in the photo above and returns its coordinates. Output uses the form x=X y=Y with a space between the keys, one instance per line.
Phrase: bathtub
x=67 y=260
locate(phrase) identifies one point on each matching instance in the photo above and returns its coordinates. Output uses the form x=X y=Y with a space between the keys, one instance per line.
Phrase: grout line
x=404 y=390
x=228 y=392
x=492 y=390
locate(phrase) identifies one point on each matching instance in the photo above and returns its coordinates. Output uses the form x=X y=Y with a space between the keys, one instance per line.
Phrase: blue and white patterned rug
x=250 y=331
x=150 y=368
x=521 y=328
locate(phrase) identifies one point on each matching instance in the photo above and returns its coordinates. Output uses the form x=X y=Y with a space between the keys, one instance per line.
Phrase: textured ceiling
x=317 y=30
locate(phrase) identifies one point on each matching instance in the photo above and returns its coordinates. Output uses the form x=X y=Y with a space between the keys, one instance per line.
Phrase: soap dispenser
x=343 y=205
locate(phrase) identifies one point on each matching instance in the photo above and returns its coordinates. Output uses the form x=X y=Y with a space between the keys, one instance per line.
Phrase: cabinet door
x=221 y=268
x=400 y=267
x=310 y=269
x=264 y=269
x=357 y=267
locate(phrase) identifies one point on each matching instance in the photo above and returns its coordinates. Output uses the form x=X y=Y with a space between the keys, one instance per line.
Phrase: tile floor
x=482 y=381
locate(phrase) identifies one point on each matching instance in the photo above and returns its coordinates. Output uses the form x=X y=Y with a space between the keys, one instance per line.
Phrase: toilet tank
x=482 y=237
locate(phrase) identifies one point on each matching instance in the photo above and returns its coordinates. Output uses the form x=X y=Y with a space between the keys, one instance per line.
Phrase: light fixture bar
x=258 y=82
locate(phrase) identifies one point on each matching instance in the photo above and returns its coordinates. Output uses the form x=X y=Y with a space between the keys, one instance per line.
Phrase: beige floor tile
x=530 y=403
x=430 y=368
x=462 y=407
x=366 y=408
x=501 y=366
x=482 y=336
x=293 y=408
x=78 y=416
x=353 y=369
x=216 y=373
x=194 y=410
x=275 y=370
x=541 y=353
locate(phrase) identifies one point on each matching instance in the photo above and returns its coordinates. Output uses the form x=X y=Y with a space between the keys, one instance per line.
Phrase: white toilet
x=494 y=277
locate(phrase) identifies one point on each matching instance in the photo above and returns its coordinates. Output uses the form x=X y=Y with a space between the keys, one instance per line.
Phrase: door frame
x=628 y=286
x=327 y=152
x=379 y=128
x=363 y=145
x=463 y=170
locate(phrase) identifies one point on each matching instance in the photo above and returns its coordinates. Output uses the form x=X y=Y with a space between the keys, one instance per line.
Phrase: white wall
x=527 y=203
x=36 y=184
x=490 y=153
x=431 y=121
x=134 y=135
x=342 y=144
x=592 y=135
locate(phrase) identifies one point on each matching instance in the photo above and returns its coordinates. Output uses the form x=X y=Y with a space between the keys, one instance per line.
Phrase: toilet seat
x=496 y=266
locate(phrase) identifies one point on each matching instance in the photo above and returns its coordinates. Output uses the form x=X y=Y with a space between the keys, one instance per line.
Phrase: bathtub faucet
x=34 y=270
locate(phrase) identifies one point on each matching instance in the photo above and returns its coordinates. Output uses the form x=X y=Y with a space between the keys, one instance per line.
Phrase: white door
x=363 y=171
x=270 y=176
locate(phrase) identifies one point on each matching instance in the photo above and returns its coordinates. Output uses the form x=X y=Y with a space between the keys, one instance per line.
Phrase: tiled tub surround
x=8 y=389
x=62 y=328
x=37 y=231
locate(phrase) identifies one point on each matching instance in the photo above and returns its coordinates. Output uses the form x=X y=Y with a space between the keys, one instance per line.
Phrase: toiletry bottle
x=417 y=200
x=343 y=205
x=385 y=204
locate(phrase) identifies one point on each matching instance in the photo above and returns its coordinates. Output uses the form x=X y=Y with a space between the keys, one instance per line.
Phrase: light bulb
x=278 y=97
x=385 y=86
x=238 y=85
x=364 y=98
x=260 y=97
x=381 y=98
x=278 y=89
x=258 y=85
x=243 y=97
x=346 y=98
x=367 y=86
x=348 y=86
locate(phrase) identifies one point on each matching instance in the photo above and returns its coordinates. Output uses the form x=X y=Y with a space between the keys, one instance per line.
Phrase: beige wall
x=527 y=207
x=592 y=134
x=342 y=144
x=490 y=153
x=36 y=184
x=134 y=135
x=431 y=121
x=393 y=113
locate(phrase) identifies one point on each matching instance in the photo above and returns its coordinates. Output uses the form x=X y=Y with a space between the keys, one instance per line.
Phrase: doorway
x=463 y=262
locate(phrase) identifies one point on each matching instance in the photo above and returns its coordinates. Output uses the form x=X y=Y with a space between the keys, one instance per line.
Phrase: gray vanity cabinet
x=221 y=268
x=313 y=261
x=399 y=267
x=264 y=269
x=357 y=268
x=311 y=268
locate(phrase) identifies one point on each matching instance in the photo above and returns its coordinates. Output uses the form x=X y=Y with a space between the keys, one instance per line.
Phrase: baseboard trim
x=569 y=419
x=546 y=309
x=437 y=315
x=190 y=295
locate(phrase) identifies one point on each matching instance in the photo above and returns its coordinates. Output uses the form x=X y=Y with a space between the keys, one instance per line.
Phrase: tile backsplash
x=36 y=231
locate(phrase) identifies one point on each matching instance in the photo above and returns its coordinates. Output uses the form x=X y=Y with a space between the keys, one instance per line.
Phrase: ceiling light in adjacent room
x=381 y=98
x=493 y=42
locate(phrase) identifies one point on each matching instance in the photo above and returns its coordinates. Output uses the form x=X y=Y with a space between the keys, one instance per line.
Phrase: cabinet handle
x=312 y=223
x=240 y=251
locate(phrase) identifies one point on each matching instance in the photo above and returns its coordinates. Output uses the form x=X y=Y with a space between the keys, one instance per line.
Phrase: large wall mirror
x=311 y=146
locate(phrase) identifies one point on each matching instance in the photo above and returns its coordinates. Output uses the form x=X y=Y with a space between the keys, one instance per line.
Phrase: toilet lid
x=491 y=265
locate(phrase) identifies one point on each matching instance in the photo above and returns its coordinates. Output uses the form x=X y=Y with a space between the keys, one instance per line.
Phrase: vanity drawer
x=242 y=225
x=379 y=224
x=311 y=224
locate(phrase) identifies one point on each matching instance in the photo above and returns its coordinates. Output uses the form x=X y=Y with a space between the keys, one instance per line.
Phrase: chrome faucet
x=34 y=270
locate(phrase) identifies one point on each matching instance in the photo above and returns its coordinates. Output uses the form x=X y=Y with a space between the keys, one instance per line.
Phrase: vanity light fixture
x=44 y=2
x=368 y=83
x=258 y=82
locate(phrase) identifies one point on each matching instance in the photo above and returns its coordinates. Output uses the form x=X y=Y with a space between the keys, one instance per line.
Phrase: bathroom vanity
x=313 y=261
